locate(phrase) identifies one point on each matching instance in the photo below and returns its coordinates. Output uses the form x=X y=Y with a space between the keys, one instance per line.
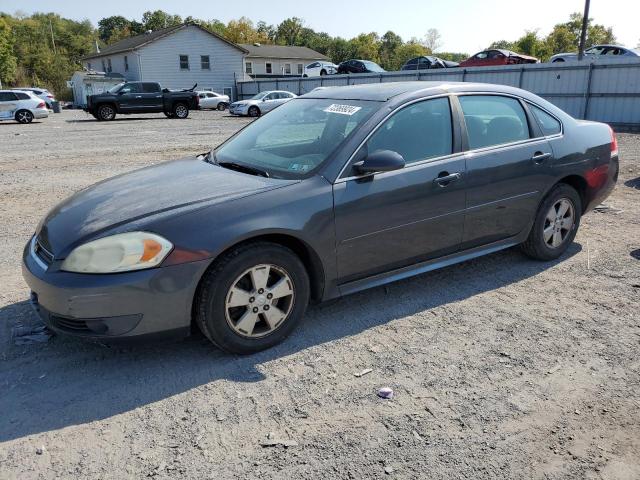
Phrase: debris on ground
x=40 y=450
x=386 y=393
x=363 y=372
x=276 y=442
x=604 y=208
x=24 y=335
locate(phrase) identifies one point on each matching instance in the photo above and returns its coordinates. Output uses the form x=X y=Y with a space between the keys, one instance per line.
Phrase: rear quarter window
x=493 y=120
x=22 y=96
x=547 y=122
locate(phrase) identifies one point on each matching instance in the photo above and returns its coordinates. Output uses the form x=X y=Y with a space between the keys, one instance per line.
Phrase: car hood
x=144 y=196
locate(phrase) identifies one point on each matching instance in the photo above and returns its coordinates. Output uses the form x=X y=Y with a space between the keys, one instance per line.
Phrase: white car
x=42 y=93
x=21 y=106
x=319 y=69
x=212 y=100
x=261 y=103
x=599 y=52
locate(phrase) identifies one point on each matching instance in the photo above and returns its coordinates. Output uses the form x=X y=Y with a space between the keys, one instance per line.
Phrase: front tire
x=180 y=110
x=106 y=112
x=555 y=225
x=252 y=298
x=24 y=116
x=221 y=106
x=254 y=111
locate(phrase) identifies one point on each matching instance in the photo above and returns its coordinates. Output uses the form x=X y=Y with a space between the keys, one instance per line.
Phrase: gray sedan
x=339 y=190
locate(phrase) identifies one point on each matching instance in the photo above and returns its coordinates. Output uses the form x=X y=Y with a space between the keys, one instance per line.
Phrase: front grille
x=43 y=254
x=74 y=326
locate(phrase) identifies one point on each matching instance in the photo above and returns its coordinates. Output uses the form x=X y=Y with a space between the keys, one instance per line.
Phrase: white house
x=264 y=61
x=176 y=57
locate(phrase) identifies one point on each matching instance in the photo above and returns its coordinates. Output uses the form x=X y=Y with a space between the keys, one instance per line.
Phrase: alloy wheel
x=24 y=117
x=107 y=112
x=558 y=223
x=259 y=301
x=181 y=111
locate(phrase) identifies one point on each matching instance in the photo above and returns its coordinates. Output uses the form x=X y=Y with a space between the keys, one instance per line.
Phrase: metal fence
x=606 y=91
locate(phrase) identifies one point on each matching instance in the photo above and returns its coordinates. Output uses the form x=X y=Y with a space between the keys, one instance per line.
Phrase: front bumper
x=130 y=304
x=244 y=110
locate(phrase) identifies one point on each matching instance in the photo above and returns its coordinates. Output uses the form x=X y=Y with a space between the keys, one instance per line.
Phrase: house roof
x=282 y=51
x=133 y=43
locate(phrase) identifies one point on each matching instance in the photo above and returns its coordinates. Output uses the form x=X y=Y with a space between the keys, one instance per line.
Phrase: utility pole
x=53 y=40
x=583 y=34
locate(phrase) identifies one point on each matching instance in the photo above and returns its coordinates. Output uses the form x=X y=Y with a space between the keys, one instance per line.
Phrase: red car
x=497 y=57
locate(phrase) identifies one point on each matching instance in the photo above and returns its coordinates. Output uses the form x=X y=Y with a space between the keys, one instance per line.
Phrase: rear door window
x=493 y=120
x=150 y=88
x=417 y=132
x=7 y=96
x=548 y=123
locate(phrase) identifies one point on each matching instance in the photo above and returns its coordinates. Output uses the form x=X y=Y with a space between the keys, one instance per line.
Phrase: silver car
x=21 y=106
x=261 y=103
x=598 y=52
x=42 y=93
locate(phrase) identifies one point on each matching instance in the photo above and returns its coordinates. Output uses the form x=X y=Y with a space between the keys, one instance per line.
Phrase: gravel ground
x=502 y=367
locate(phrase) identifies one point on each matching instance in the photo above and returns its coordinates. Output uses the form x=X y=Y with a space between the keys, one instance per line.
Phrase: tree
x=289 y=31
x=269 y=31
x=502 y=45
x=8 y=62
x=157 y=19
x=365 y=46
x=389 y=44
x=341 y=50
x=242 y=31
x=432 y=40
x=110 y=25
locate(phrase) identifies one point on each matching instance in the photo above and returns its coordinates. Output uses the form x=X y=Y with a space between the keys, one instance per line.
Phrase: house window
x=300 y=68
x=268 y=67
x=89 y=66
x=184 y=62
x=109 y=65
x=287 y=69
x=104 y=67
x=248 y=67
x=204 y=62
x=126 y=63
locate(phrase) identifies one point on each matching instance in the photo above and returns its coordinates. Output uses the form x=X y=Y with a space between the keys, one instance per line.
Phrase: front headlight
x=118 y=253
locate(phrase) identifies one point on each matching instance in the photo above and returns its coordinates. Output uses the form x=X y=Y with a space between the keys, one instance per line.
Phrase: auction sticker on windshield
x=342 y=109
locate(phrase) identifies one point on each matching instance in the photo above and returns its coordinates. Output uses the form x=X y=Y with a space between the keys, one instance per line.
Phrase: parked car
x=598 y=52
x=141 y=97
x=319 y=69
x=360 y=66
x=42 y=93
x=340 y=190
x=21 y=106
x=497 y=57
x=427 y=63
x=212 y=100
x=261 y=103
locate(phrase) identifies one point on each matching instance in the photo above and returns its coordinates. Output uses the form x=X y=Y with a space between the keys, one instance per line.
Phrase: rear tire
x=180 y=110
x=106 y=112
x=252 y=297
x=24 y=116
x=323 y=73
x=555 y=225
x=254 y=111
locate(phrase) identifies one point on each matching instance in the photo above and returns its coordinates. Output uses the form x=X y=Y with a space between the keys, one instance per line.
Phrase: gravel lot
x=502 y=367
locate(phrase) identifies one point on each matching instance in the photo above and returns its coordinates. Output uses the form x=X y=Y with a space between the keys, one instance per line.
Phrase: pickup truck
x=141 y=97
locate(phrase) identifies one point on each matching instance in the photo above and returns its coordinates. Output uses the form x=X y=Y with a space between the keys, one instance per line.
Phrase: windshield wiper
x=244 y=168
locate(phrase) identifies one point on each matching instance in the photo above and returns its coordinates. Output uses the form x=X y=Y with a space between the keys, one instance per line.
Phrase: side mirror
x=264 y=99
x=380 y=161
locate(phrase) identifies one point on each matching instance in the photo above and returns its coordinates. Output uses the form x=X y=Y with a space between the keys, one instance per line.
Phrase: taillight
x=40 y=105
x=197 y=99
x=614 y=143
x=49 y=96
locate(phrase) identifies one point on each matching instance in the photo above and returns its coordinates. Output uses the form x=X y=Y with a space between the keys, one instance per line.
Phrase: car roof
x=382 y=92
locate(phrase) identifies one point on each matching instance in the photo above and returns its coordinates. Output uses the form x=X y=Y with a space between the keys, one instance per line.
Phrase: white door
x=8 y=105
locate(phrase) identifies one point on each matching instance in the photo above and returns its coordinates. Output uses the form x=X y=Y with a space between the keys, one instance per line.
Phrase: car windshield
x=116 y=88
x=295 y=139
x=259 y=96
x=374 y=67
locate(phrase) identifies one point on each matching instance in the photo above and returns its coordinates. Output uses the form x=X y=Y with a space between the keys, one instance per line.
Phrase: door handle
x=540 y=157
x=138 y=96
x=445 y=178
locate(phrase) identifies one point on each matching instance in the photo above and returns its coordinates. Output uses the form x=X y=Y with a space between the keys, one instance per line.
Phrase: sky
x=465 y=25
